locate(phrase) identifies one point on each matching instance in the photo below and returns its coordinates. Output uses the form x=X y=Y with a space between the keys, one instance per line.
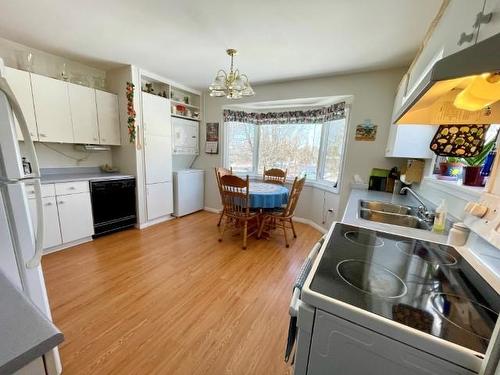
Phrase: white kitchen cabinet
x=52 y=109
x=492 y=27
x=108 y=118
x=459 y=17
x=75 y=216
x=408 y=141
x=82 y=101
x=157 y=139
x=185 y=136
x=159 y=200
x=20 y=83
x=51 y=230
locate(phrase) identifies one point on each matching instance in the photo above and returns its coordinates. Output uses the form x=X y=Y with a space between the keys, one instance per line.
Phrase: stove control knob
x=477 y=210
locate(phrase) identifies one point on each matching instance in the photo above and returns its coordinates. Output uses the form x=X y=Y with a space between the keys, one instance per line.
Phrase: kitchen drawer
x=72 y=187
x=48 y=190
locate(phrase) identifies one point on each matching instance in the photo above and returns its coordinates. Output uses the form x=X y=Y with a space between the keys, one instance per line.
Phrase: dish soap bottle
x=440 y=218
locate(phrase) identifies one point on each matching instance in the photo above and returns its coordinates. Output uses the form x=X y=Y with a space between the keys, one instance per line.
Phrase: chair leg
x=284 y=233
x=261 y=227
x=220 y=218
x=293 y=229
x=245 y=232
x=223 y=229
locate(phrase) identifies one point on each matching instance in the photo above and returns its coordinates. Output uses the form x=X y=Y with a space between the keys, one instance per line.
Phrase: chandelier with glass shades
x=232 y=85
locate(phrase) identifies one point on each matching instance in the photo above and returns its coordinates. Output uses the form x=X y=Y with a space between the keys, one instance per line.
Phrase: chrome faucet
x=422 y=209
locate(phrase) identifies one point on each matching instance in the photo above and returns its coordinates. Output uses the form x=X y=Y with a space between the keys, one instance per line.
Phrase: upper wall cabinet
x=108 y=119
x=83 y=114
x=408 y=141
x=52 y=109
x=491 y=27
x=20 y=84
x=455 y=31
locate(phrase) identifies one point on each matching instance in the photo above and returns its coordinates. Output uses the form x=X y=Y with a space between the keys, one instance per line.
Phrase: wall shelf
x=186 y=117
x=175 y=102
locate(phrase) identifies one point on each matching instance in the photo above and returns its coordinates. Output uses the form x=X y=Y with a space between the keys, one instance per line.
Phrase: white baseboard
x=66 y=245
x=211 y=209
x=309 y=222
x=155 y=221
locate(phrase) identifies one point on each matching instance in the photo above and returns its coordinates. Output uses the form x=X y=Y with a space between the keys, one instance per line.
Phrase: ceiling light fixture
x=232 y=85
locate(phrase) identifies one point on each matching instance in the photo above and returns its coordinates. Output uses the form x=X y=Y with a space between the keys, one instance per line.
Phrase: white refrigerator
x=20 y=246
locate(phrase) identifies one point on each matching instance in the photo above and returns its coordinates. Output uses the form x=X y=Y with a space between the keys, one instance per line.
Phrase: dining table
x=263 y=195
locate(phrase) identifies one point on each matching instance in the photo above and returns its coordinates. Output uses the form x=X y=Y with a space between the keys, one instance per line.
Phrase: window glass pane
x=241 y=143
x=290 y=146
x=334 y=148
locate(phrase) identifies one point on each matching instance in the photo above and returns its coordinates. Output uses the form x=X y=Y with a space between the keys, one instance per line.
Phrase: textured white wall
x=373 y=94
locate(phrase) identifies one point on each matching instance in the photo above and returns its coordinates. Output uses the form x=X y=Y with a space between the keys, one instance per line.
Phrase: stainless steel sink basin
x=386 y=207
x=393 y=218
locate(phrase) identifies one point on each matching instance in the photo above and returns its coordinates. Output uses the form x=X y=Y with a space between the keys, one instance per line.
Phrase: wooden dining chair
x=236 y=201
x=275 y=176
x=284 y=218
x=220 y=171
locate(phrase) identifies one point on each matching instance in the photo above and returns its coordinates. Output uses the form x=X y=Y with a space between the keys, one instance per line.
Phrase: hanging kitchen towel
x=459 y=140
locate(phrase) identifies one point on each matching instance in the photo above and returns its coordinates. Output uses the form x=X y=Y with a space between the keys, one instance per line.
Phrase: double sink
x=390 y=213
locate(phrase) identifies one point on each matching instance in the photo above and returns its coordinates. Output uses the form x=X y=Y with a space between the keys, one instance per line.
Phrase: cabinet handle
x=71 y=188
x=48 y=204
x=482 y=18
x=95 y=139
x=104 y=139
x=42 y=135
x=465 y=38
x=60 y=202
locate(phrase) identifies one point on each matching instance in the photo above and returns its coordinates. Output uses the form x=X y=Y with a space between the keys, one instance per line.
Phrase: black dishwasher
x=113 y=204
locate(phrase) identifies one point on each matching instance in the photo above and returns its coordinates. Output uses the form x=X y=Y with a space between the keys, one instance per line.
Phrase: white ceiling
x=185 y=40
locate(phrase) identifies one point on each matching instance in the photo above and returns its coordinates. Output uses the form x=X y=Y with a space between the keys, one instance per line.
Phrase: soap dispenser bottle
x=440 y=218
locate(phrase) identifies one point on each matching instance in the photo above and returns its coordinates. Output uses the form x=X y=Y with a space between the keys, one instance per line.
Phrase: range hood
x=433 y=101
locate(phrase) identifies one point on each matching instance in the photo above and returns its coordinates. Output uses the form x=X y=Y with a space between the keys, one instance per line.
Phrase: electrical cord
x=78 y=160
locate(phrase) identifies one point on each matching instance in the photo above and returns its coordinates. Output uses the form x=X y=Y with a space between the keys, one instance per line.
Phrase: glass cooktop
x=423 y=285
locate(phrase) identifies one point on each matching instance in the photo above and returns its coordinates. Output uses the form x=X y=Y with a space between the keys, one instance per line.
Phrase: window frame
x=320 y=167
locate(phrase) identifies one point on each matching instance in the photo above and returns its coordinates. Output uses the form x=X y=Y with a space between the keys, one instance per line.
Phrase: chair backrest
x=293 y=198
x=275 y=176
x=219 y=172
x=235 y=195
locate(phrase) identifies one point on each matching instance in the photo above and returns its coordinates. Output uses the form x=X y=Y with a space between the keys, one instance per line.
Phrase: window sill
x=312 y=183
x=455 y=188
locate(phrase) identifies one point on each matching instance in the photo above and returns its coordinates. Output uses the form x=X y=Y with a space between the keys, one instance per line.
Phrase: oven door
x=301 y=317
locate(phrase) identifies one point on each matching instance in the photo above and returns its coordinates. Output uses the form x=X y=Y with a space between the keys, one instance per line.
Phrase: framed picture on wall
x=212 y=137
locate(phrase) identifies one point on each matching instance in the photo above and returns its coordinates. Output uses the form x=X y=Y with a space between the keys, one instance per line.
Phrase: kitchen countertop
x=351 y=214
x=57 y=175
x=25 y=332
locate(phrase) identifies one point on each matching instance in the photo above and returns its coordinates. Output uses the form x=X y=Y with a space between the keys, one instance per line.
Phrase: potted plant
x=450 y=169
x=472 y=166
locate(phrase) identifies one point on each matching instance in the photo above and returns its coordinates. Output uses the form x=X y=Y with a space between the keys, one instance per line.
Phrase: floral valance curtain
x=312 y=116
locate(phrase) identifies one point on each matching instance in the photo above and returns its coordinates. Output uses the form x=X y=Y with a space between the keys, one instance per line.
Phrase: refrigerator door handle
x=28 y=141
x=35 y=261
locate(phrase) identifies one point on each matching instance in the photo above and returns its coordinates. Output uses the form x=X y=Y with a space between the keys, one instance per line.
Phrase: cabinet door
x=108 y=118
x=491 y=28
x=51 y=230
x=156 y=115
x=458 y=18
x=20 y=83
x=157 y=158
x=75 y=216
x=52 y=109
x=83 y=114
x=159 y=200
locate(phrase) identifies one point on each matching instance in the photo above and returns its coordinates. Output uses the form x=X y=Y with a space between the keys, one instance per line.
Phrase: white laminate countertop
x=351 y=214
x=59 y=175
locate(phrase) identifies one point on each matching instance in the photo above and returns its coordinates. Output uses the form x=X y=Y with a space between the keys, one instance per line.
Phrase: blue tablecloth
x=263 y=195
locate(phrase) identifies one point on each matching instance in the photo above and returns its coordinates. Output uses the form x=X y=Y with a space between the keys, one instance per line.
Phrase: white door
x=75 y=216
x=108 y=118
x=491 y=28
x=157 y=139
x=52 y=109
x=20 y=83
x=83 y=114
x=159 y=200
x=51 y=229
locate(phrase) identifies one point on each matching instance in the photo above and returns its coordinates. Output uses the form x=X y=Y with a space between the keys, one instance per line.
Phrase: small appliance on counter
x=383 y=179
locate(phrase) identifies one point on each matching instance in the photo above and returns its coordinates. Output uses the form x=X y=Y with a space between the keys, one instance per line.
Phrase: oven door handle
x=301 y=278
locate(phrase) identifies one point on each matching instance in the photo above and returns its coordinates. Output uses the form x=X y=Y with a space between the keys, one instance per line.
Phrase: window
x=315 y=149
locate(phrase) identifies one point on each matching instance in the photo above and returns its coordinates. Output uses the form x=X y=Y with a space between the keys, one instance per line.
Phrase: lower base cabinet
x=75 y=216
x=51 y=230
x=159 y=200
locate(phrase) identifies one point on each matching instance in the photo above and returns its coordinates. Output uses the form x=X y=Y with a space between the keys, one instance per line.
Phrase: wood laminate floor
x=171 y=299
